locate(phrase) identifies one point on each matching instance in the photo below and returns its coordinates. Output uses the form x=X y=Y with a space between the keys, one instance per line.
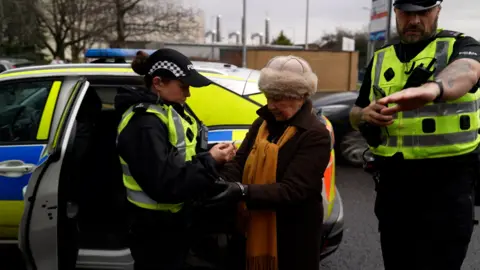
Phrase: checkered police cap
x=170 y=66
x=176 y=63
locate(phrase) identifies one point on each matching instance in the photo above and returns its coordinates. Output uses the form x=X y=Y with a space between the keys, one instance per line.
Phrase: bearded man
x=418 y=109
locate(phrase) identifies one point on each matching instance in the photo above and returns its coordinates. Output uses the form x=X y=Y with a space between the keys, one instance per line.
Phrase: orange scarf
x=260 y=226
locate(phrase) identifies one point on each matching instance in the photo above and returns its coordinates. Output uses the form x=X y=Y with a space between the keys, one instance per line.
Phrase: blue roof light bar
x=114 y=53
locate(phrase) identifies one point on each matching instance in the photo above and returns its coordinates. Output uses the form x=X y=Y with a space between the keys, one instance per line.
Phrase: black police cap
x=416 y=5
x=180 y=67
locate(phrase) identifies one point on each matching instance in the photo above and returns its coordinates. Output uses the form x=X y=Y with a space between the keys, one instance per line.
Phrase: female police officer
x=162 y=172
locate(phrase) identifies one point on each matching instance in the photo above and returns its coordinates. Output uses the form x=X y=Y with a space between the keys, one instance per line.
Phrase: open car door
x=43 y=224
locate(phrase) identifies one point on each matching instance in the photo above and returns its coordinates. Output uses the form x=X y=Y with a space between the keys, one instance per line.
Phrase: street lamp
x=389 y=21
x=370 y=44
x=244 y=34
x=369 y=16
x=218 y=30
x=306 y=24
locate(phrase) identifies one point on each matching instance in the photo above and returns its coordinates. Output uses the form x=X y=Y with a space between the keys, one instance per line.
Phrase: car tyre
x=352 y=148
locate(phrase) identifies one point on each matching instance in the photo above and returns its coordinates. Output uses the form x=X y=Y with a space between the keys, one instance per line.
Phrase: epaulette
x=128 y=88
x=394 y=41
x=449 y=33
x=386 y=45
x=141 y=107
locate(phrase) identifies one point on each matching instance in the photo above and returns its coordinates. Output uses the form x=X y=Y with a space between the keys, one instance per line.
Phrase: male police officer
x=419 y=111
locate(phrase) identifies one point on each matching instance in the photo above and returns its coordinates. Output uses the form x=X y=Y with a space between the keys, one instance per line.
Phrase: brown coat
x=296 y=195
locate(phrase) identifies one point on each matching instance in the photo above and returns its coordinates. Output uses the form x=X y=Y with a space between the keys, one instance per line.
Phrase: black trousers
x=158 y=240
x=425 y=212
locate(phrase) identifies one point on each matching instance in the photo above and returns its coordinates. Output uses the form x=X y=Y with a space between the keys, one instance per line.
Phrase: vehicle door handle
x=15 y=168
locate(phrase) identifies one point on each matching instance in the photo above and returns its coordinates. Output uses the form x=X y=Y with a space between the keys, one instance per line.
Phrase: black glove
x=230 y=192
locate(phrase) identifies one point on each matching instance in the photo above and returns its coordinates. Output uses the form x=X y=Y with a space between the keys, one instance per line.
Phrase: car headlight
x=332 y=109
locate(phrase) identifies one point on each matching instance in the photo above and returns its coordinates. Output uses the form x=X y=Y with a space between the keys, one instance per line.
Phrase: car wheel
x=352 y=148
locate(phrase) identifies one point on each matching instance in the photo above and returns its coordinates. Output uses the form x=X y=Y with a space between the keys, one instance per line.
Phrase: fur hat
x=289 y=76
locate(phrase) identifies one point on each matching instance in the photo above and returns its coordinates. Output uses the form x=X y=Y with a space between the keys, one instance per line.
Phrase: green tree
x=282 y=40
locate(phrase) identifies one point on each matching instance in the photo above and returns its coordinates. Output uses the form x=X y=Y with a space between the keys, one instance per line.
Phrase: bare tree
x=19 y=33
x=70 y=22
x=160 y=19
x=90 y=22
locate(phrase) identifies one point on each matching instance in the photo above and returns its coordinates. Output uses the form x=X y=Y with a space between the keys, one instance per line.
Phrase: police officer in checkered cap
x=164 y=166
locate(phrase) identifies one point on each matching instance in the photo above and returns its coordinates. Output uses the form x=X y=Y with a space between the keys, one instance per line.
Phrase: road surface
x=360 y=249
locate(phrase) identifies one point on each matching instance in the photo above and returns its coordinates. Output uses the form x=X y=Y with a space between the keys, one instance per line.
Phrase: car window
x=21 y=107
x=106 y=94
x=107 y=87
x=35 y=97
x=236 y=85
x=2 y=68
x=252 y=83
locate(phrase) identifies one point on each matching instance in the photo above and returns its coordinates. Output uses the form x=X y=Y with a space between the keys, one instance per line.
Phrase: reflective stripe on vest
x=435 y=130
x=177 y=129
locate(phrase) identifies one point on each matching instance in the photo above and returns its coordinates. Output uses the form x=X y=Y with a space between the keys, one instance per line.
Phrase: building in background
x=193 y=25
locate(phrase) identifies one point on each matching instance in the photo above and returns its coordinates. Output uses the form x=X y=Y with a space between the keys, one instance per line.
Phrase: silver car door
x=38 y=233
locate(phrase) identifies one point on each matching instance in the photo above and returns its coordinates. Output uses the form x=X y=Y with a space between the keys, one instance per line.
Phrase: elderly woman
x=277 y=173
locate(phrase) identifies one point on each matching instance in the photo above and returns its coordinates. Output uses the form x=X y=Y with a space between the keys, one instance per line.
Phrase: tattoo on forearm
x=355 y=116
x=455 y=71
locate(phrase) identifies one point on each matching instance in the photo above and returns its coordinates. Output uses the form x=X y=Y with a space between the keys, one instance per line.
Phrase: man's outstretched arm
x=459 y=77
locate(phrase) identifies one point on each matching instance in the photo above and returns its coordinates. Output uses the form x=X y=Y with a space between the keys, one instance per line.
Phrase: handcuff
x=242 y=188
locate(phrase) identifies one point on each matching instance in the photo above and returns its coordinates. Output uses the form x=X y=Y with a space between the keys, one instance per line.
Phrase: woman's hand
x=223 y=152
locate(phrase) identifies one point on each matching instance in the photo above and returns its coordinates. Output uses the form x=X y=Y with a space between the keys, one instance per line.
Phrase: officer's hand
x=410 y=99
x=372 y=115
x=223 y=152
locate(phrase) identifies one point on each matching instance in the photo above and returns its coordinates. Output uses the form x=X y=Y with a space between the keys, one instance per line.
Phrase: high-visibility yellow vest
x=437 y=130
x=177 y=135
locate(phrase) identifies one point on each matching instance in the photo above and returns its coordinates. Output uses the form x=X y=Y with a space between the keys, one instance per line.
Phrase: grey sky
x=325 y=16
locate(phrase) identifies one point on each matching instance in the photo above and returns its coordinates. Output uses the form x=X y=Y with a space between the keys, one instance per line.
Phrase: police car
x=41 y=121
